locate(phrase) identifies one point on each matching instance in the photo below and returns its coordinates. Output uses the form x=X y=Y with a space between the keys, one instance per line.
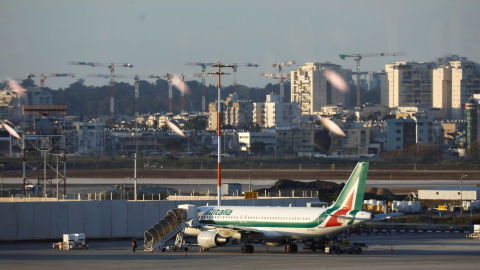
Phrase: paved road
x=400 y=251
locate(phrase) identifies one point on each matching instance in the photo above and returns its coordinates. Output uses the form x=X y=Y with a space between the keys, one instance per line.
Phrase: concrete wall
x=448 y=194
x=98 y=219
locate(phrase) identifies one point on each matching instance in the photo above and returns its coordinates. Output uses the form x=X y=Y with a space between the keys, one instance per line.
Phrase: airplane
x=276 y=226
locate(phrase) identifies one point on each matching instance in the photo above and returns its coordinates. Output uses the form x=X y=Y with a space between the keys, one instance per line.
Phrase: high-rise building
x=442 y=91
x=453 y=84
x=311 y=90
x=373 y=79
x=445 y=85
x=465 y=83
x=410 y=83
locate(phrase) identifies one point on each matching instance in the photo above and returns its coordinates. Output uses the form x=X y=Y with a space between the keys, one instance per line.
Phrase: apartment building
x=10 y=105
x=246 y=139
x=453 y=84
x=90 y=138
x=404 y=132
x=465 y=83
x=374 y=79
x=442 y=91
x=274 y=113
x=234 y=112
x=410 y=83
x=445 y=85
x=311 y=90
x=358 y=138
x=293 y=141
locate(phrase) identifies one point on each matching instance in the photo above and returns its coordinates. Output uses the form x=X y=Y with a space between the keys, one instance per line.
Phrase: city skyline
x=159 y=37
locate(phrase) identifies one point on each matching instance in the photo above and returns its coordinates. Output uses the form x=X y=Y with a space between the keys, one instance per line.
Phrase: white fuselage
x=271 y=223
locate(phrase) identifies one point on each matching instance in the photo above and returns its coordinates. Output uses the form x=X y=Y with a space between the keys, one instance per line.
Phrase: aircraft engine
x=211 y=239
x=364 y=216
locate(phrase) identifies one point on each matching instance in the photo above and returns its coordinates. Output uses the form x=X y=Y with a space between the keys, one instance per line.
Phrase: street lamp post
x=219 y=119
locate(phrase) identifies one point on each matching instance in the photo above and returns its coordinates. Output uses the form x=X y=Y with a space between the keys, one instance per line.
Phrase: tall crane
x=171 y=77
x=182 y=91
x=44 y=76
x=111 y=66
x=204 y=73
x=280 y=75
x=137 y=79
x=357 y=57
x=234 y=67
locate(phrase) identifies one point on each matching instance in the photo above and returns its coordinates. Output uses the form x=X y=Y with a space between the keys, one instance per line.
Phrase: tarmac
x=406 y=250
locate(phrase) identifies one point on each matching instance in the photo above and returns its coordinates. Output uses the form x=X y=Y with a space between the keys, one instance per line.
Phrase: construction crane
x=357 y=57
x=204 y=73
x=234 y=67
x=44 y=76
x=280 y=75
x=111 y=66
x=137 y=79
x=171 y=77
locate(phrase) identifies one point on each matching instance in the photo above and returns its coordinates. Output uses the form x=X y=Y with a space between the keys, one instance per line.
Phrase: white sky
x=159 y=36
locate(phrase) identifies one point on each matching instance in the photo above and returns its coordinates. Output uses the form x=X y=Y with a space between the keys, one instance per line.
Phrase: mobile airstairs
x=169 y=227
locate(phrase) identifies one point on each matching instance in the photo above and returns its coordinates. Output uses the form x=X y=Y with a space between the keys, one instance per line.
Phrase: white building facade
x=274 y=113
x=311 y=90
x=410 y=83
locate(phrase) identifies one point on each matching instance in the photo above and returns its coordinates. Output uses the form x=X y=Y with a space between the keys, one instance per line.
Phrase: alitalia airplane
x=282 y=225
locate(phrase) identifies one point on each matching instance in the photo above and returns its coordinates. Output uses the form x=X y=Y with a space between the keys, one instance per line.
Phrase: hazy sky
x=158 y=37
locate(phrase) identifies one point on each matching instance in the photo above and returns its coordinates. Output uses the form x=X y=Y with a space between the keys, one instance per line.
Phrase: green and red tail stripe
x=351 y=197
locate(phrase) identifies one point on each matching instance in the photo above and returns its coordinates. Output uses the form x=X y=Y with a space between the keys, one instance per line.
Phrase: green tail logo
x=351 y=197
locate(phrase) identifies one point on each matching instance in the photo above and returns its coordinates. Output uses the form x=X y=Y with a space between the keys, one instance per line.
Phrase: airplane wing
x=350 y=217
x=376 y=217
x=343 y=217
x=385 y=216
x=225 y=229
x=231 y=229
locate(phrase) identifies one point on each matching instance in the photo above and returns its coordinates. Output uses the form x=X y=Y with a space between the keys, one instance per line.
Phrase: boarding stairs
x=166 y=229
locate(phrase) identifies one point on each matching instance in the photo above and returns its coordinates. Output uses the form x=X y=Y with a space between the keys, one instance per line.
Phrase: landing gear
x=291 y=248
x=247 y=249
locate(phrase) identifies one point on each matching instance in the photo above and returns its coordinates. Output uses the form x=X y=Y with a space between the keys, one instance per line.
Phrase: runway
x=399 y=251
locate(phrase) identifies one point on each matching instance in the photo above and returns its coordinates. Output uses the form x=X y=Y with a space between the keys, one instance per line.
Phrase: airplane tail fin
x=351 y=196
